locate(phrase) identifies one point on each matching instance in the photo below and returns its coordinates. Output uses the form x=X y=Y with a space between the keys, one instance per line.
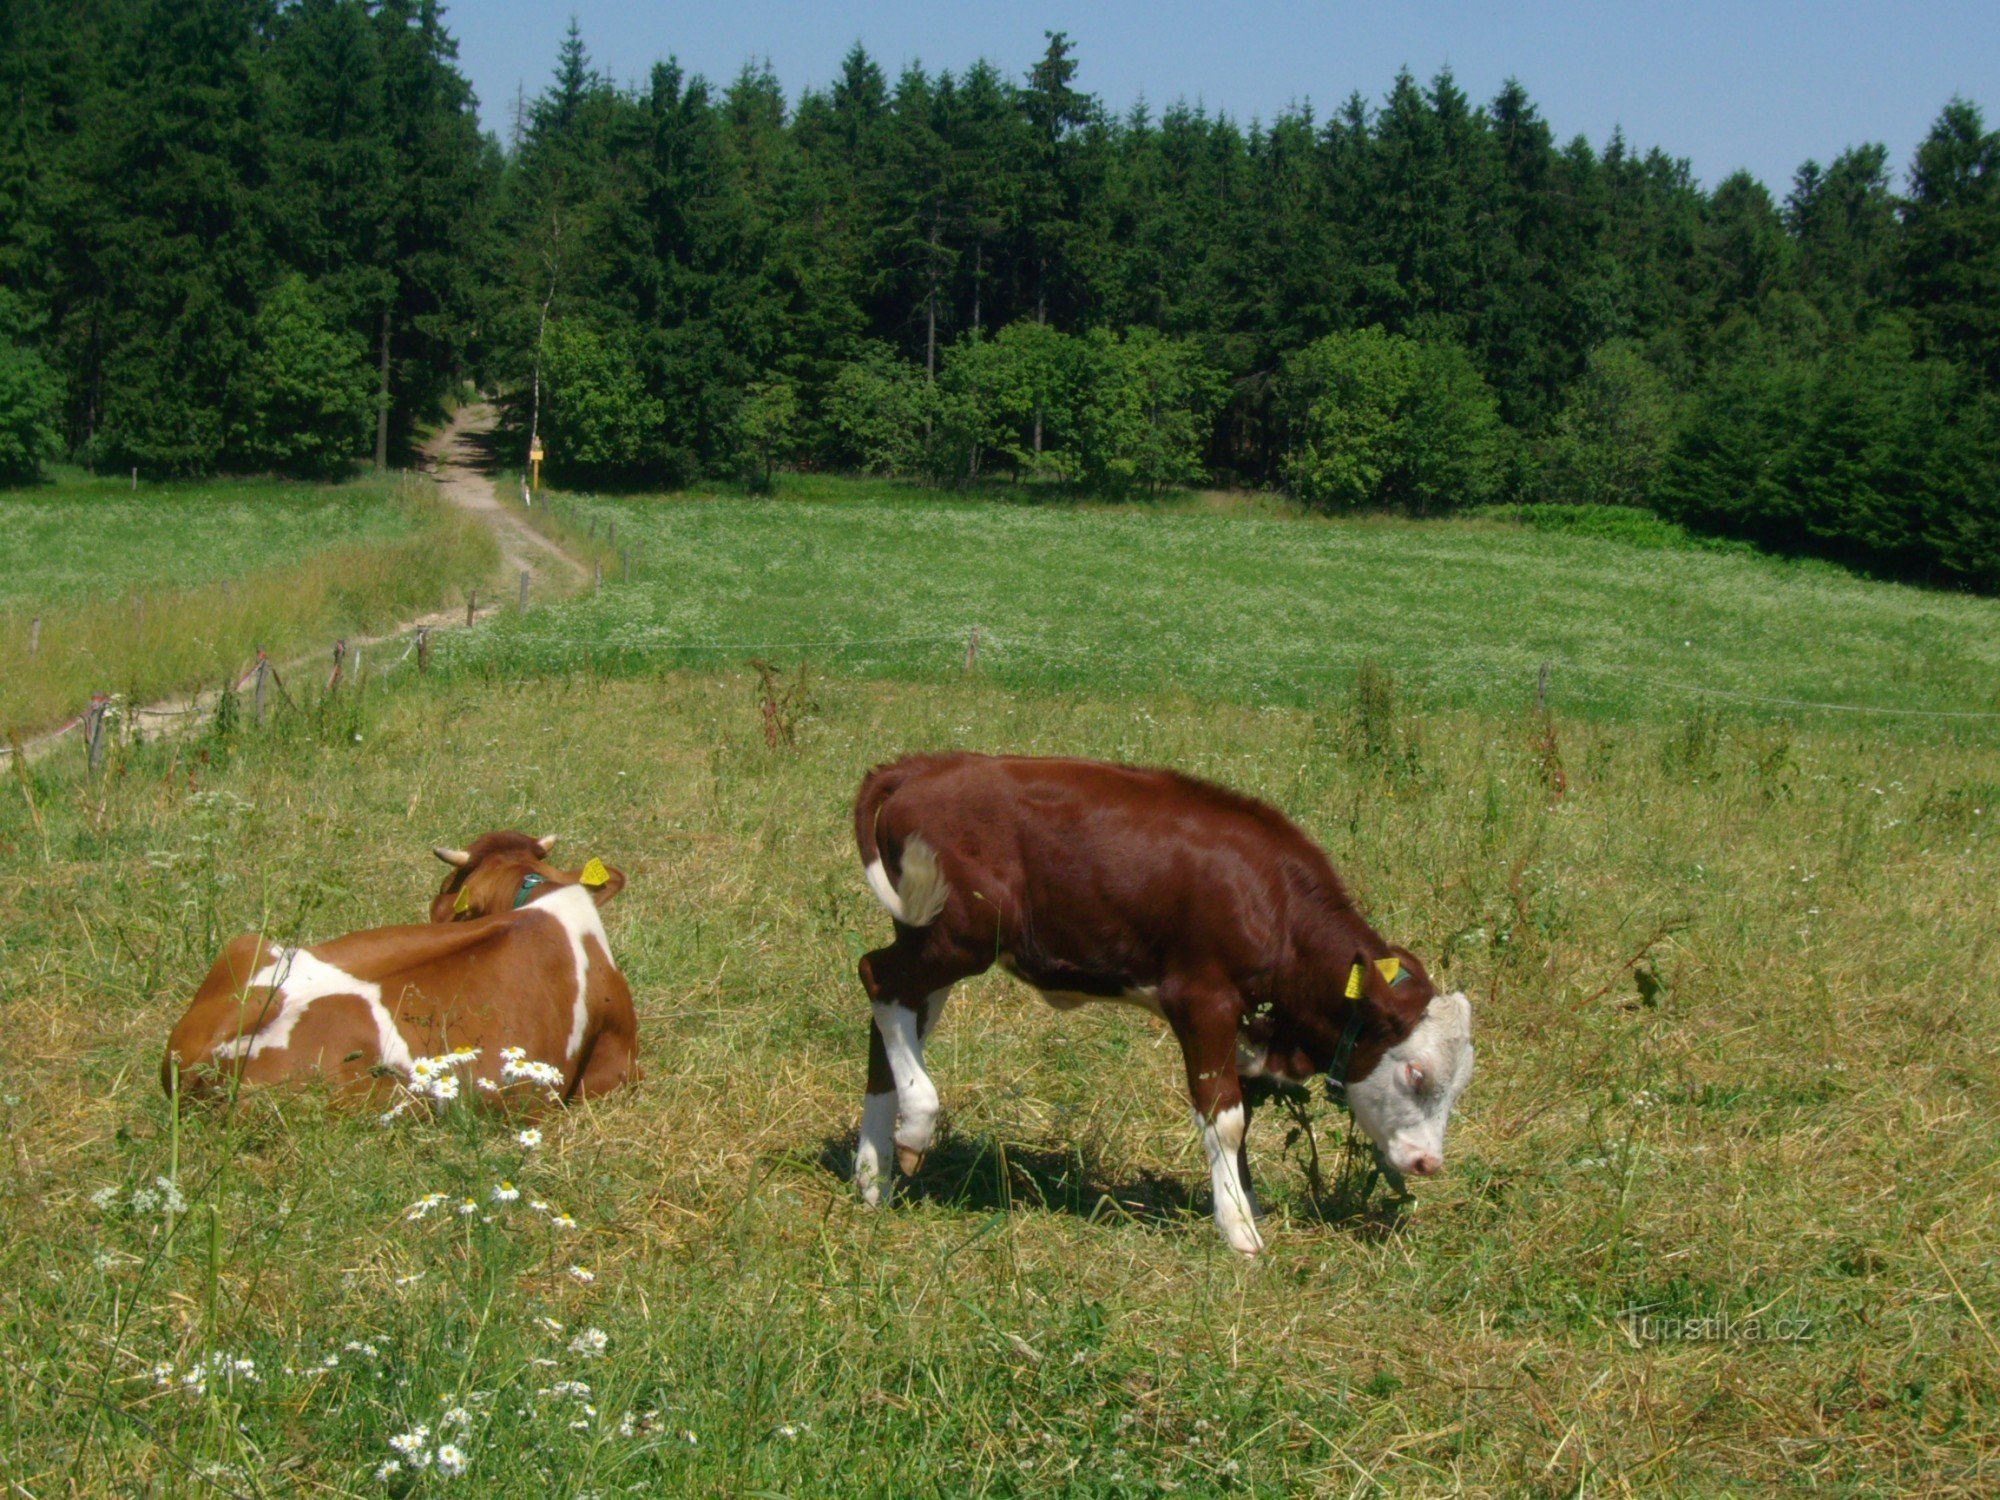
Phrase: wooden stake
x=1542 y=690
x=471 y=604
x=263 y=671
x=339 y=653
x=972 y=649
x=93 y=730
x=423 y=650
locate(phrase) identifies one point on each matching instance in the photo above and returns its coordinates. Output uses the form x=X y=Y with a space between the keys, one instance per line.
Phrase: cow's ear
x=601 y=880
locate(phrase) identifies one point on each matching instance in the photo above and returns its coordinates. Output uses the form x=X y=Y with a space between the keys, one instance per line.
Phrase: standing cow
x=1091 y=881
x=514 y=966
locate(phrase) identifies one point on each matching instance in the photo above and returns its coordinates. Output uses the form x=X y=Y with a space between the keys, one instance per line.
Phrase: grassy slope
x=176 y=586
x=1793 y=1116
x=1255 y=608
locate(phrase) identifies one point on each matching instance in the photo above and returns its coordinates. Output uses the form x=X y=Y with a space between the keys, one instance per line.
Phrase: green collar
x=529 y=883
x=1336 y=1071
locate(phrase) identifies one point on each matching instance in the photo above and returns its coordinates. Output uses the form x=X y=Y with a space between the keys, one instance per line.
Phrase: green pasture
x=1718 y=1214
x=1244 y=606
x=81 y=538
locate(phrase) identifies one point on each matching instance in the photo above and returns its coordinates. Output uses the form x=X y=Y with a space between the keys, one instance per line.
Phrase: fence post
x=35 y=636
x=972 y=649
x=357 y=667
x=598 y=582
x=611 y=532
x=593 y=528
x=627 y=556
x=423 y=650
x=339 y=654
x=471 y=604
x=93 y=730
x=524 y=591
x=257 y=696
x=1542 y=690
x=135 y=476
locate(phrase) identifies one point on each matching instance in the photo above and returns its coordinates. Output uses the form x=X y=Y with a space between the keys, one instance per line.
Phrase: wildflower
x=590 y=1343
x=410 y=1443
x=538 y=1205
x=170 y=1195
x=529 y=1139
x=692 y=1440
x=582 y=1274
x=467 y=1207
x=424 y=1205
x=389 y=1470
x=506 y=1192
x=561 y=1221
x=450 y=1460
x=787 y=1430
x=578 y=1389
x=144 y=1200
x=103 y=1260
x=163 y=1375
x=104 y=1197
x=457 y=1417
x=549 y=1325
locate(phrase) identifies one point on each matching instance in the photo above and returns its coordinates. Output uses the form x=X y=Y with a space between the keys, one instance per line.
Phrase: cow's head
x=1405 y=1081
x=501 y=871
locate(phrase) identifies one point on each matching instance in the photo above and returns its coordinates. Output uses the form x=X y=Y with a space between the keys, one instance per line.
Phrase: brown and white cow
x=514 y=965
x=1091 y=881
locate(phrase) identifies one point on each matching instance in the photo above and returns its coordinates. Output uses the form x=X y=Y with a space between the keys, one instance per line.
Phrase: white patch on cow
x=297 y=978
x=916 y=1095
x=1405 y=1103
x=871 y=1152
x=924 y=888
x=576 y=912
x=1235 y=1213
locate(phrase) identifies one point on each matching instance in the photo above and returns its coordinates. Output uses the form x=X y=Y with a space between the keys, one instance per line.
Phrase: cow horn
x=545 y=844
x=459 y=857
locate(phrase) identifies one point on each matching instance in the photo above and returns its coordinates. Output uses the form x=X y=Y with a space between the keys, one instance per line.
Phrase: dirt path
x=454 y=459
x=463 y=481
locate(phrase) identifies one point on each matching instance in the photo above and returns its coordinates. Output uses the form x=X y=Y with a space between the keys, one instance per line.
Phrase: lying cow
x=514 y=965
x=1101 y=882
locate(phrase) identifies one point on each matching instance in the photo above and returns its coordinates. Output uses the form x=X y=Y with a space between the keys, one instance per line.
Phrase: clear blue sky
x=1756 y=85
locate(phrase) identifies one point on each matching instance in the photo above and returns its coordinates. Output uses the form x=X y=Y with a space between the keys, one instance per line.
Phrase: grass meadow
x=172 y=587
x=1719 y=1209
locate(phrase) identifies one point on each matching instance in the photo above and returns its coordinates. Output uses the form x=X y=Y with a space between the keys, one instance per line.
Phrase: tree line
x=242 y=234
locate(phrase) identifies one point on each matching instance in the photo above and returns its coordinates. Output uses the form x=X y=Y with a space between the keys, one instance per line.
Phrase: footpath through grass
x=1719 y=1215
x=173 y=587
x=1246 y=608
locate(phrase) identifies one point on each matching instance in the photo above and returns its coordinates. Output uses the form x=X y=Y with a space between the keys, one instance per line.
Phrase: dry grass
x=1784 y=1108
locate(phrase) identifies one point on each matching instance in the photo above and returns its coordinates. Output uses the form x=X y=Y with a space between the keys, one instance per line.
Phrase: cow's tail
x=918 y=895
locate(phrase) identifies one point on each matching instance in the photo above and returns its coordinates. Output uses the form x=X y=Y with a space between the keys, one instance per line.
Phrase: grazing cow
x=1213 y=911
x=514 y=965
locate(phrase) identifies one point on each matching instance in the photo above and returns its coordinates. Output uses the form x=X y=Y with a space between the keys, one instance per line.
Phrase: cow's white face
x=1405 y=1103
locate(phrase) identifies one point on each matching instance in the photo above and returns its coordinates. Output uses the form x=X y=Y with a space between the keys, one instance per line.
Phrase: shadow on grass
x=980 y=1175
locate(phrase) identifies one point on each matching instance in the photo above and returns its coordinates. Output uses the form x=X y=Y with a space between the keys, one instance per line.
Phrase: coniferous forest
x=239 y=235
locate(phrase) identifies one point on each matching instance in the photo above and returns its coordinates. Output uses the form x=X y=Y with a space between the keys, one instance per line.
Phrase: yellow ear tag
x=1354 y=983
x=1391 y=967
x=594 y=873
x=463 y=904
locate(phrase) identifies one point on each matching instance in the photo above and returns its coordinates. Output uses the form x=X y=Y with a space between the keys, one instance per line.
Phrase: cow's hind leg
x=900 y=1110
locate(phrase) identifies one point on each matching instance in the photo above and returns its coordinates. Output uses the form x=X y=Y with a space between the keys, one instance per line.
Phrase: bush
x=1144 y=413
x=875 y=412
x=305 y=398
x=30 y=401
x=1612 y=437
x=1385 y=420
x=599 y=423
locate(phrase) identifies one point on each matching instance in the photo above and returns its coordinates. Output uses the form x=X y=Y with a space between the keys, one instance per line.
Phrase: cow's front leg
x=1208 y=1045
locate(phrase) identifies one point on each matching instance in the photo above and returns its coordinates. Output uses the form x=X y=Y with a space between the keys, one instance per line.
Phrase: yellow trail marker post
x=535 y=461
